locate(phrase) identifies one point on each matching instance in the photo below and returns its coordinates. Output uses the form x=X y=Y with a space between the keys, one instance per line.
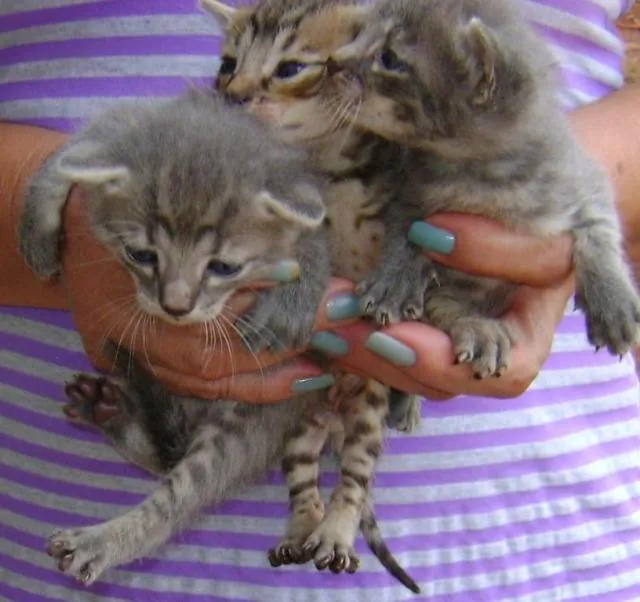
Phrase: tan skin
x=482 y=247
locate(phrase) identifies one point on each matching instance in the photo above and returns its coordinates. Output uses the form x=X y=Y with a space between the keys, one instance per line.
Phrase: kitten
x=274 y=63
x=196 y=200
x=468 y=87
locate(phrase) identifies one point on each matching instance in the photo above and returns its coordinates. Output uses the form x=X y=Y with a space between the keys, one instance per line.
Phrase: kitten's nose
x=175 y=312
x=238 y=99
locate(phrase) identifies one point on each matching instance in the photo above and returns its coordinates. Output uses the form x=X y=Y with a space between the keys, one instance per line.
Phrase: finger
x=486 y=248
x=278 y=383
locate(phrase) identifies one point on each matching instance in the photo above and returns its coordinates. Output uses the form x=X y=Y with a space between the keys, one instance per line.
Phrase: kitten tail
x=373 y=537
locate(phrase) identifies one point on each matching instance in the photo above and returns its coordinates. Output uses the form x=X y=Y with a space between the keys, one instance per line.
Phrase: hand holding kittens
x=423 y=356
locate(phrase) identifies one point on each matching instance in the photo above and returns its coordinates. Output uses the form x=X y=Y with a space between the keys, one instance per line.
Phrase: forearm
x=610 y=131
x=22 y=151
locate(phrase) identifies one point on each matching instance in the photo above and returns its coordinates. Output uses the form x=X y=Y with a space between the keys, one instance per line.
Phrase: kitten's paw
x=404 y=411
x=613 y=320
x=302 y=523
x=93 y=400
x=82 y=553
x=41 y=252
x=331 y=544
x=279 y=320
x=395 y=296
x=483 y=343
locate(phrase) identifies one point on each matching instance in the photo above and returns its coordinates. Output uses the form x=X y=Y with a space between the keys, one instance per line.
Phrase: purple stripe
x=589 y=358
x=71 y=461
x=395 y=511
x=106 y=590
x=44 y=351
x=103 y=9
x=55 y=426
x=459 y=569
x=13 y=593
x=573 y=324
x=129 y=46
x=58 y=124
x=580 y=45
x=54 y=317
x=111 y=87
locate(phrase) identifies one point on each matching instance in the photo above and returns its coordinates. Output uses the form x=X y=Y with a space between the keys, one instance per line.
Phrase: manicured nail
x=431 y=238
x=391 y=350
x=314 y=383
x=287 y=270
x=343 y=307
x=330 y=343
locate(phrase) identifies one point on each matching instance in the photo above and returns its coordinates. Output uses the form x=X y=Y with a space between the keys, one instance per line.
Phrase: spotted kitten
x=275 y=64
x=196 y=200
x=468 y=87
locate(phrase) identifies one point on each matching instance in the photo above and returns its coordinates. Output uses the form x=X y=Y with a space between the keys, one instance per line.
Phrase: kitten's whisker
x=227 y=340
x=239 y=333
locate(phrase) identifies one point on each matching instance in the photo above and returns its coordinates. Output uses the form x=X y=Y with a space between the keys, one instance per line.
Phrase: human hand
x=102 y=298
x=421 y=357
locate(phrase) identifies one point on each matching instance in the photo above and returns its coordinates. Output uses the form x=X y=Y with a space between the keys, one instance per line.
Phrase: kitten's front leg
x=41 y=221
x=283 y=317
x=605 y=290
x=396 y=288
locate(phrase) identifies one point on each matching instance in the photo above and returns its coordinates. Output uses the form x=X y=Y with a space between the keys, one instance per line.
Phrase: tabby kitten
x=468 y=87
x=196 y=200
x=275 y=64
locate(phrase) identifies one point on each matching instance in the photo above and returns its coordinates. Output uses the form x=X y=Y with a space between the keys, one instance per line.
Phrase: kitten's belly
x=355 y=229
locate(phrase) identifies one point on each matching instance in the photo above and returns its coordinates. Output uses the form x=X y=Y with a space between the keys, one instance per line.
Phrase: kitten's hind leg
x=300 y=466
x=147 y=431
x=331 y=544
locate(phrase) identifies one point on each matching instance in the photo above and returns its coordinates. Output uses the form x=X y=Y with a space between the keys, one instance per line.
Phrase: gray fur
x=470 y=90
x=193 y=181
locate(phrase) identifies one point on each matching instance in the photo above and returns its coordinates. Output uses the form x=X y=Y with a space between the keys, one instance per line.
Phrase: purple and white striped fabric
x=533 y=499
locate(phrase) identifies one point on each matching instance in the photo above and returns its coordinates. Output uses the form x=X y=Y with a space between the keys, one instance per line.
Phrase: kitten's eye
x=390 y=61
x=220 y=268
x=143 y=257
x=289 y=69
x=227 y=65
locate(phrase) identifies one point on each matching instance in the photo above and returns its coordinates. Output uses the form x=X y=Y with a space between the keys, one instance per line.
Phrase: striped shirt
x=535 y=499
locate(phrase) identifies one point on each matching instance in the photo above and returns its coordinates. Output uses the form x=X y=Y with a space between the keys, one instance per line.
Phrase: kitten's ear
x=78 y=164
x=303 y=206
x=482 y=60
x=224 y=14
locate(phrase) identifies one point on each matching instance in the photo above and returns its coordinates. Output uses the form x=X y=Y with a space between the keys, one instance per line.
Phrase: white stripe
x=43 y=333
x=147 y=26
x=8 y=7
x=556 y=379
x=171 y=65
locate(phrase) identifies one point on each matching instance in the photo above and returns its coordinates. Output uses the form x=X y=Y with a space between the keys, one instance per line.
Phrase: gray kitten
x=468 y=87
x=196 y=200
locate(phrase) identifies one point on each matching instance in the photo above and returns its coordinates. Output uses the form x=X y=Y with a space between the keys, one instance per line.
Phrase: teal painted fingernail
x=431 y=238
x=286 y=271
x=391 y=350
x=343 y=307
x=314 y=383
x=330 y=343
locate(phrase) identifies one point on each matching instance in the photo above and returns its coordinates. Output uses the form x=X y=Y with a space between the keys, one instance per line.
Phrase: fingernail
x=343 y=307
x=431 y=238
x=330 y=343
x=304 y=385
x=287 y=270
x=391 y=350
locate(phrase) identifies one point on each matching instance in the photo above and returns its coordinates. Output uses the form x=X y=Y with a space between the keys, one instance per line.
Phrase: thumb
x=484 y=247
